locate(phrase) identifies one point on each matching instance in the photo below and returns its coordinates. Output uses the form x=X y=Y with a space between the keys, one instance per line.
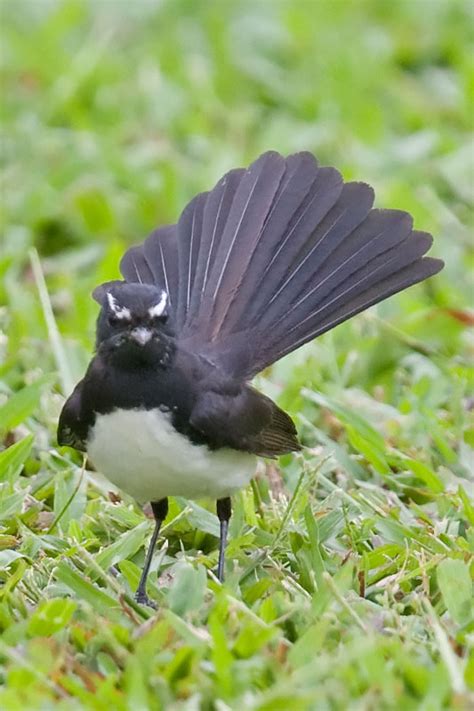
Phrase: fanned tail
x=274 y=256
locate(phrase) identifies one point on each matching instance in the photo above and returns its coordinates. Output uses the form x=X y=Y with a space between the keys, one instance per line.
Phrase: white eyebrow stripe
x=158 y=309
x=120 y=312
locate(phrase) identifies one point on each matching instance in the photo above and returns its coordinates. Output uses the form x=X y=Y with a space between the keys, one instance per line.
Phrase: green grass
x=350 y=565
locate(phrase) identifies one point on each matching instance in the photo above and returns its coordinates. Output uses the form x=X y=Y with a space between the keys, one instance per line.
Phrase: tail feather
x=216 y=210
x=189 y=233
x=414 y=273
x=250 y=207
x=274 y=256
x=341 y=251
x=380 y=232
x=294 y=185
x=160 y=250
x=135 y=267
x=306 y=313
x=290 y=224
x=317 y=257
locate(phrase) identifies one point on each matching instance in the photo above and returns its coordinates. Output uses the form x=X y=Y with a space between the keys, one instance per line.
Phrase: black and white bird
x=273 y=256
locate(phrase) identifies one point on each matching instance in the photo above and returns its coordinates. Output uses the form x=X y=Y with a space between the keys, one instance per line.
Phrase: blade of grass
x=57 y=346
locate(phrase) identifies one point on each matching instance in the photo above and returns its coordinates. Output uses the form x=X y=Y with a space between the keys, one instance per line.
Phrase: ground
x=349 y=564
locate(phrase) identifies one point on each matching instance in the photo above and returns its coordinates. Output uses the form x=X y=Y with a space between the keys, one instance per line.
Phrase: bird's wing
x=244 y=419
x=72 y=427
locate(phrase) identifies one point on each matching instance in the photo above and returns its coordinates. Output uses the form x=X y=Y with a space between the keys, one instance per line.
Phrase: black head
x=133 y=327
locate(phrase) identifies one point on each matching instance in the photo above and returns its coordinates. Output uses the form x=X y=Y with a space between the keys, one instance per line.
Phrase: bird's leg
x=160 y=511
x=224 y=511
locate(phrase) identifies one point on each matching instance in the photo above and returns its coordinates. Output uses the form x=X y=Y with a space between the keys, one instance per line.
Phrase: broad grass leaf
x=358 y=423
x=329 y=525
x=13 y=458
x=201 y=519
x=221 y=656
x=423 y=472
x=467 y=504
x=124 y=547
x=187 y=590
x=315 y=542
x=135 y=685
x=131 y=573
x=456 y=588
x=8 y=557
x=252 y=637
x=51 y=616
x=69 y=497
x=84 y=590
x=370 y=450
x=11 y=505
x=22 y=404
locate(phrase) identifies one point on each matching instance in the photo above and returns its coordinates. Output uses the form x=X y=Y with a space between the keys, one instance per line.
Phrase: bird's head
x=134 y=326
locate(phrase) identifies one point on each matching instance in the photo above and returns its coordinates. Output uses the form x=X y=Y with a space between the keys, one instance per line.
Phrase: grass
x=350 y=565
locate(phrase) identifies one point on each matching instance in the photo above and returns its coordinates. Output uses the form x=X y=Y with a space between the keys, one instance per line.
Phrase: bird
x=271 y=257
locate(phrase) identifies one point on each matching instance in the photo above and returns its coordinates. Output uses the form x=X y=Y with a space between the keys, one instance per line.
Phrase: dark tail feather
x=290 y=223
x=189 y=235
x=416 y=272
x=246 y=353
x=383 y=276
x=324 y=247
x=155 y=262
x=248 y=212
x=216 y=211
x=135 y=267
x=161 y=252
x=285 y=201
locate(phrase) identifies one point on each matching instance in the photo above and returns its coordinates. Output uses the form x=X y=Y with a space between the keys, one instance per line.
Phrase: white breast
x=140 y=452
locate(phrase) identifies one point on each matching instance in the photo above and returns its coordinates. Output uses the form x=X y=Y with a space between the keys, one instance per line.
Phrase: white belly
x=140 y=452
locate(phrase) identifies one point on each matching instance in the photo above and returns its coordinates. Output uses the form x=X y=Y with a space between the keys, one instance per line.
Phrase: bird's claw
x=143 y=599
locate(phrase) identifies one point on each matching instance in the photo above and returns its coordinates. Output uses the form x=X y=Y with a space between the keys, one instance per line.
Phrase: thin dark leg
x=224 y=511
x=160 y=510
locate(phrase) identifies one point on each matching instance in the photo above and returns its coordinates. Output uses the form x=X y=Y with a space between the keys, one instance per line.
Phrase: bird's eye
x=113 y=320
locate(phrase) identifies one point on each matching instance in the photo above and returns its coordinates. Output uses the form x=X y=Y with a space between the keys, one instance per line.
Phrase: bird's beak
x=141 y=335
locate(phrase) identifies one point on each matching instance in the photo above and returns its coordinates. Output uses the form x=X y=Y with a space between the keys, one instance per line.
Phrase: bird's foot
x=142 y=599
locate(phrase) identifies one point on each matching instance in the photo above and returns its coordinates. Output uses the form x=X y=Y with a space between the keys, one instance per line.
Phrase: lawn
x=349 y=577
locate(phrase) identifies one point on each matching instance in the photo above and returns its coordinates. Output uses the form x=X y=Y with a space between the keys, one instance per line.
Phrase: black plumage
x=268 y=259
x=278 y=254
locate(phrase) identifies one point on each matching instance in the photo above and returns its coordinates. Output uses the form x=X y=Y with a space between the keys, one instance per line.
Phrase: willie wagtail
x=271 y=257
